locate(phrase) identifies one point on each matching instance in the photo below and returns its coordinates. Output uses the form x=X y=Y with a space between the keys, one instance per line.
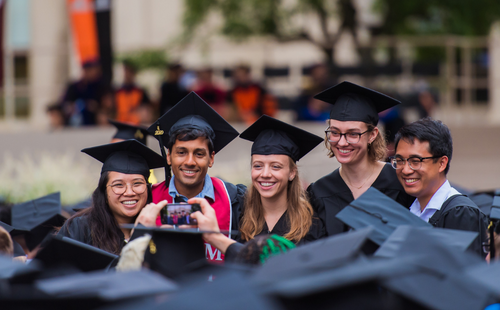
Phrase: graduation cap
x=488 y=275
x=13 y=231
x=375 y=209
x=128 y=131
x=350 y=286
x=317 y=256
x=352 y=102
x=272 y=137
x=229 y=290
x=459 y=239
x=192 y=112
x=10 y=268
x=39 y=217
x=107 y=286
x=129 y=157
x=66 y=251
x=172 y=252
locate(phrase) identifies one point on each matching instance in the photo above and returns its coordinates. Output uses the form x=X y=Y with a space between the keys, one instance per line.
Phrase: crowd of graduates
x=377 y=233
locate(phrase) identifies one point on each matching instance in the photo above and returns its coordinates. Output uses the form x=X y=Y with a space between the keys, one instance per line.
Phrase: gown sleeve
x=76 y=229
x=469 y=219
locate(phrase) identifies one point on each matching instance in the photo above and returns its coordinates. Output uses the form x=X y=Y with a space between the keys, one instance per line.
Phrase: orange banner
x=84 y=29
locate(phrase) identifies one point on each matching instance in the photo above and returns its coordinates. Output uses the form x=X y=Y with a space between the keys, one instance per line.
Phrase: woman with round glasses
x=120 y=195
x=353 y=138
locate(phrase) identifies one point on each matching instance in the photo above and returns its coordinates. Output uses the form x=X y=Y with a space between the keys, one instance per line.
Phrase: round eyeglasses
x=121 y=188
x=414 y=162
x=351 y=137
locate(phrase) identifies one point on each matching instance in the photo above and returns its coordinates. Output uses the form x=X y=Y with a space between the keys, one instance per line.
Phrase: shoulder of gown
x=466 y=217
x=77 y=229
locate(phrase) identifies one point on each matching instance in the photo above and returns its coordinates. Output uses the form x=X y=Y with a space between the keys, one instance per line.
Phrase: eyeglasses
x=351 y=137
x=414 y=162
x=121 y=188
x=486 y=246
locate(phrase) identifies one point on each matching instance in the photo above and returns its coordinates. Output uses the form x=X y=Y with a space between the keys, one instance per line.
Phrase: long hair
x=104 y=229
x=377 y=150
x=299 y=211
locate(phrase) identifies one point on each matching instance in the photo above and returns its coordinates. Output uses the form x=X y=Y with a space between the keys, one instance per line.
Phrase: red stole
x=221 y=205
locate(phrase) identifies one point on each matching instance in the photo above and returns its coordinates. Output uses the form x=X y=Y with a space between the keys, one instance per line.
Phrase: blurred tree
x=458 y=17
x=145 y=59
x=284 y=20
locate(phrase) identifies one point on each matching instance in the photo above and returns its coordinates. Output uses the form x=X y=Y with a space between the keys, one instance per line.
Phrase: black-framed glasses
x=415 y=162
x=121 y=188
x=351 y=137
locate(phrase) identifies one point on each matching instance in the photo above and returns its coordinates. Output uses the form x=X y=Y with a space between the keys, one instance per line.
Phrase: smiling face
x=190 y=161
x=271 y=174
x=425 y=181
x=351 y=153
x=127 y=205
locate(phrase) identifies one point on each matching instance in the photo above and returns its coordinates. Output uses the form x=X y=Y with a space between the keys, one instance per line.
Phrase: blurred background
x=70 y=65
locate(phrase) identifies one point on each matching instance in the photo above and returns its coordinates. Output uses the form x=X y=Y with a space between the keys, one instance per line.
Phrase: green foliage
x=145 y=59
x=457 y=17
x=241 y=19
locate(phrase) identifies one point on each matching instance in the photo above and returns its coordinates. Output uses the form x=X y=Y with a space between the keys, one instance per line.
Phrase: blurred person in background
x=307 y=107
x=209 y=91
x=171 y=89
x=85 y=100
x=56 y=117
x=249 y=98
x=130 y=99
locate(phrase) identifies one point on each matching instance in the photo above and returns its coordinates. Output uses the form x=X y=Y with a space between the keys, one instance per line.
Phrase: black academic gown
x=330 y=194
x=281 y=228
x=79 y=230
x=459 y=212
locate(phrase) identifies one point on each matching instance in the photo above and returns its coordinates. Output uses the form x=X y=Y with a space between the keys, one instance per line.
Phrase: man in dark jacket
x=423 y=154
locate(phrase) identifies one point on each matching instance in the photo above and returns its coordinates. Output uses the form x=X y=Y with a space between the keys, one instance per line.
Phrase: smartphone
x=179 y=214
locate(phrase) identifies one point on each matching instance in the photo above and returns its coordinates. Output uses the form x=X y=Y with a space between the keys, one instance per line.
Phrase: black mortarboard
x=129 y=157
x=487 y=274
x=10 y=268
x=194 y=113
x=13 y=231
x=172 y=252
x=109 y=286
x=229 y=290
x=352 y=102
x=39 y=217
x=314 y=257
x=375 y=209
x=66 y=251
x=459 y=239
x=128 y=131
x=272 y=137
x=495 y=208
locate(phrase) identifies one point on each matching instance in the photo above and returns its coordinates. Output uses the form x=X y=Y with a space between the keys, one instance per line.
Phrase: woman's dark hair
x=104 y=230
x=433 y=131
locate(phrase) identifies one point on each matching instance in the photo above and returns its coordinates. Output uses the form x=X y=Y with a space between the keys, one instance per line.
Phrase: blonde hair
x=377 y=150
x=6 y=244
x=299 y=211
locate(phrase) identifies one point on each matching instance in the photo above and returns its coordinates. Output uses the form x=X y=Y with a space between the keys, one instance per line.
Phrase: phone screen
x=179 y=214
